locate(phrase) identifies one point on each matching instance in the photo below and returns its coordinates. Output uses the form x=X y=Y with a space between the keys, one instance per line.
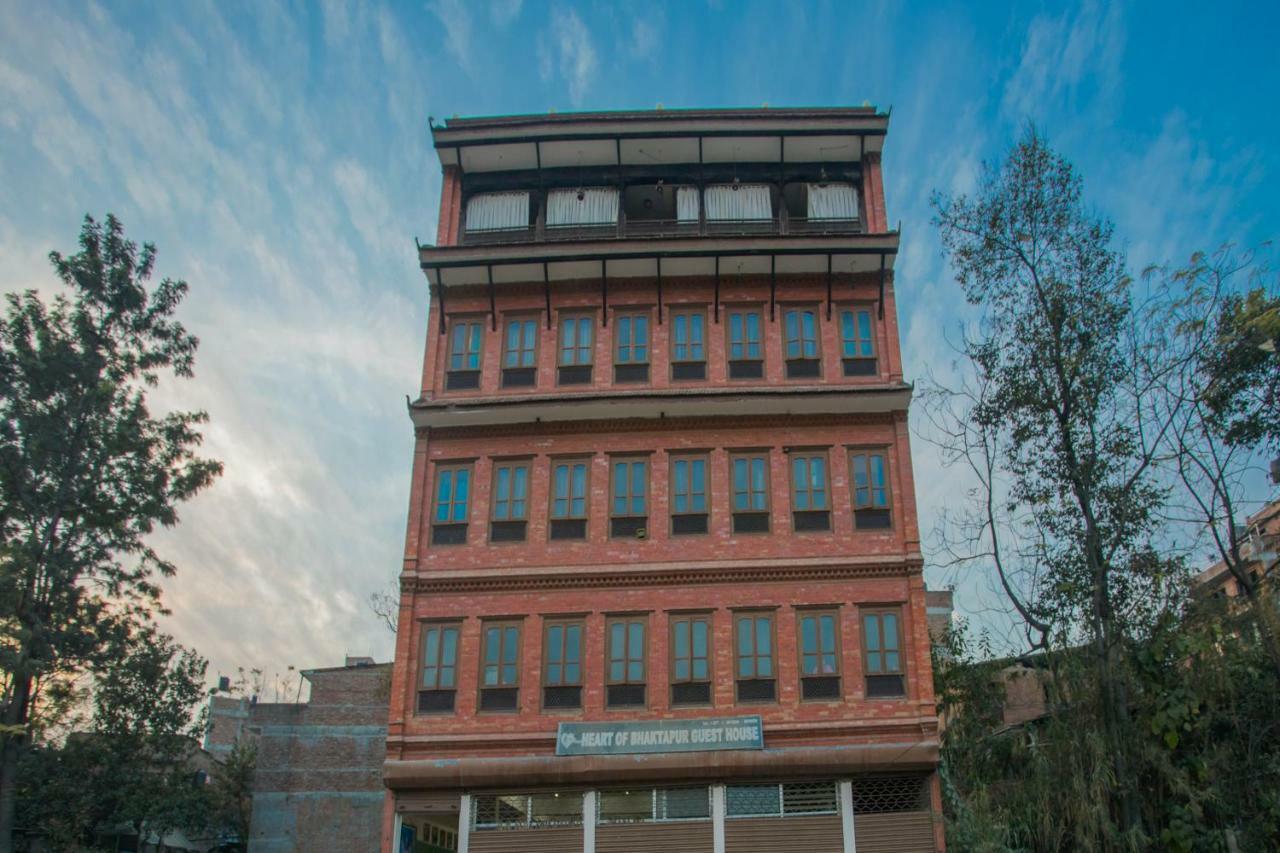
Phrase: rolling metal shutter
x=903 y=832
x=693 y=836
x=559 y=839
x=814 y=834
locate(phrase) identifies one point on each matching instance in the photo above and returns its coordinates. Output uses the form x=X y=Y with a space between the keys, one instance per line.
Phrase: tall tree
x=86 y=470
x=1241 y=364
x=1066 y=385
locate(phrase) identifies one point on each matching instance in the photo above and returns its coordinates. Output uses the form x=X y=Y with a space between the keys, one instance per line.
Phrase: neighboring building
x=317 y=784
x=662 y=584
x=940 y=611
x=1261 y=541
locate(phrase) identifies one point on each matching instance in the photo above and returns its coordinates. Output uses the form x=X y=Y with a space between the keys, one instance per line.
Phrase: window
x=882 y=653
x=756 y=680
x=490 y=213
x=688 y=495
x=691 y=659
x=569 y=499
x=500 y=667
x=801 y=327
x=464 y=355
x=520 y=356
x=809 y=510
x=750 y=493
x=562 y=664
x=517 y=811
x=576 y=340
x=453 y=495
x=857 y=345
x=688 y=345
x=631 y=348
x=439 y=668
x=870 y=490
x=510 y=502
x=819 y=655
x=626 y=670
x=628 y=514
x=746 y=357
x=777 y=800
x=644 y=805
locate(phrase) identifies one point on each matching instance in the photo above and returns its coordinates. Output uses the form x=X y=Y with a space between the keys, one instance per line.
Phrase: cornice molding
x=720 y=572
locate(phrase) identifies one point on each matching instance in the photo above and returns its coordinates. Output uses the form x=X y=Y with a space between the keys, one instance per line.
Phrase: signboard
x=694 y=735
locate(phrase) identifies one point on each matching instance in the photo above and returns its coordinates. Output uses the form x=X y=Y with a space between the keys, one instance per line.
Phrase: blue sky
x=278 y=155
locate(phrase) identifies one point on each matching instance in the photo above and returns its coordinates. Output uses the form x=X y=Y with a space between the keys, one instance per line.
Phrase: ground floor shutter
x=900 y=832
x=807 y=834
x=559 y=839
x=693 y=836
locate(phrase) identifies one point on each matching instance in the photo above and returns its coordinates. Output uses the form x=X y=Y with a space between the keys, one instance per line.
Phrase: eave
x=628 y=405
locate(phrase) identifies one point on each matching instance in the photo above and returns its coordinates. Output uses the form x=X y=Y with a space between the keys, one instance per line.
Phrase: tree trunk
x=15 y=716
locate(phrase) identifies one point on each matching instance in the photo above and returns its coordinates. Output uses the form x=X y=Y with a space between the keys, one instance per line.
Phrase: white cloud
x=503 y=12
x=456 y=19
x=1062 y=57
x=567 y=47
x=646 y=34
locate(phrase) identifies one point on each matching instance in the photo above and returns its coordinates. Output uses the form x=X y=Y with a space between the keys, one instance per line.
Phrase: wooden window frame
x=569 y=519
x=820 y=517
x=686 y=365
x=520 y=375
x=858 y=364
x=564 y=623
x=440 y=626
x=627 y=528
x=584 y=369
x=859 y=505
x=705 y=512
x=502 y=625
x=879 y=612
x=816 y=359
x=738 y=677
x=629 y=316
x=767 y=510
x=506 y=529
x=626 y=681
x=817 y=613
x=450 y=531
x=464 y=378
x=746 y=343
x=673 y=620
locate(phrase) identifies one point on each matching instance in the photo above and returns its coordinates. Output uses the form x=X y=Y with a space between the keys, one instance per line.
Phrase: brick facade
x=785 y=572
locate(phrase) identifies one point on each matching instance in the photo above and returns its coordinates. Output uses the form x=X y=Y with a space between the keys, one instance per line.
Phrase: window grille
x=886 y=794
x=810 y=798
x=645 y=805
x=753 y=800
x=781 y=799
x=518 y=811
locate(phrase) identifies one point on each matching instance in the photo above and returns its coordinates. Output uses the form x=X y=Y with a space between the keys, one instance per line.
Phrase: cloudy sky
x=278 y=155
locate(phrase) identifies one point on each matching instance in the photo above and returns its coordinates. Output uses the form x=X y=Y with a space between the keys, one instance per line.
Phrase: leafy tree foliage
x=1242 y=367
x=86 y=473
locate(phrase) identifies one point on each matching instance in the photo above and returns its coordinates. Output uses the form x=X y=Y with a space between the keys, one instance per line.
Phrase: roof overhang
x=451 y=266
x=628 y=405
x=656 y=137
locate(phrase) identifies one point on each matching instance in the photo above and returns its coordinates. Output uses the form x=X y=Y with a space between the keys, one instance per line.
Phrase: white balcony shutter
x=743 y=201
x=832 y=201
x=493 y=211
x=686 y=204
x=598 y=206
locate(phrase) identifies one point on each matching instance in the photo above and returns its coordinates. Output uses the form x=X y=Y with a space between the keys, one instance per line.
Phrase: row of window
x=690 y=664
x=632 y=352
x=689 y=502
x=638 y=805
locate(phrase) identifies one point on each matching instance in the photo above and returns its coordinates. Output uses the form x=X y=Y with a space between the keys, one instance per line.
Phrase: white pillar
x=717 y=818
x=846 y=815
x=464 y=824
x=396 y=826
x=589 y=822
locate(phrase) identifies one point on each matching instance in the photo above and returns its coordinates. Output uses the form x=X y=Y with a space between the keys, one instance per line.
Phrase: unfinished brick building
x=662 y=582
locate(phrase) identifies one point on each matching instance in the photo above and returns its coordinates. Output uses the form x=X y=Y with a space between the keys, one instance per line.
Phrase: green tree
x=232 y=790
x=135 y=767
x=1064 y=384
x=86 y=471
x=1241 y=365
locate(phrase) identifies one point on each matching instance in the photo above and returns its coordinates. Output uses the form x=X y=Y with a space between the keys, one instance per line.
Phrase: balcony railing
x=639 y=229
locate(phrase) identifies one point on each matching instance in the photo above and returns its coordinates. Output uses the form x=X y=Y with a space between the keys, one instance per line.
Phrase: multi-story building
x=662 y=582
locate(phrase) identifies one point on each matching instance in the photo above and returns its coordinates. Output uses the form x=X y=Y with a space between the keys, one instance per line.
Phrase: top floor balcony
x=663 y=211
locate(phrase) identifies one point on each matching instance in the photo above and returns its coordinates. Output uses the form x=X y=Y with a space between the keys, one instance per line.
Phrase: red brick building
x=662 y=582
